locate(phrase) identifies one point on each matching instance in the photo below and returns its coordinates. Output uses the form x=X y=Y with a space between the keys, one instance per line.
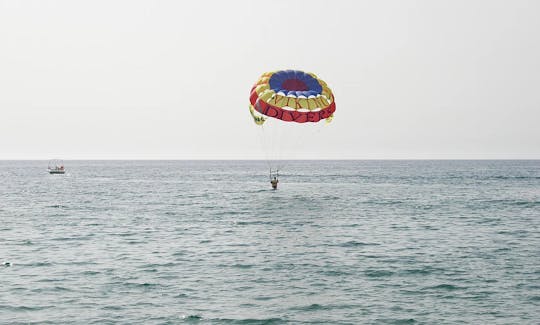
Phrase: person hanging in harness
x=274 y=180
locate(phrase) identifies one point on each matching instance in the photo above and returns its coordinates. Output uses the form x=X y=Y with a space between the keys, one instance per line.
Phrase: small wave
x=263 y=298
x=242 y=266
x=72 y=238
x=248 y=223
x=514 y=177
x=510 y=202
x=315 y=307
x=56 y=206
x=252 y=321
x=448 y=287
x=144 y=285
x=23 y=308
x=124 y=234
x=40 y=264
x=112 y=307
x=397 y=321
x=354 y=243
x=311 y=307
x=411 y=292
x=192 y=318
x=378 y=273
x=421 y=271
x=230 y=213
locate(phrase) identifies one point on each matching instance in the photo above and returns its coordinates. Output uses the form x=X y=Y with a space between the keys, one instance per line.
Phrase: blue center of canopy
x=294 y=82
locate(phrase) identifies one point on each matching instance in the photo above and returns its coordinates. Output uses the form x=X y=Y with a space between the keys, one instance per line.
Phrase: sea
x=209 y=242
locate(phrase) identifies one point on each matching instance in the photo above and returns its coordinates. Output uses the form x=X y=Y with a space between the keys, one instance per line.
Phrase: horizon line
x=259 y=159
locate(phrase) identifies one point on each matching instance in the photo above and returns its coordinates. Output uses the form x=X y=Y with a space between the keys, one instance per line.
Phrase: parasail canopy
x=291 y=96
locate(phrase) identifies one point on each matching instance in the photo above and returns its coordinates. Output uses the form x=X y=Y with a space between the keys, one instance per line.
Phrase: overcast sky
x=171 y=79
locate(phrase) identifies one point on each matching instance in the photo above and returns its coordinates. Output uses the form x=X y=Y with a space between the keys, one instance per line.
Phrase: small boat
x=56 y=167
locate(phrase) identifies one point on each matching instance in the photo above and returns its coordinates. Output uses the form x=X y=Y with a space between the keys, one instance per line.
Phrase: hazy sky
x=171 y=79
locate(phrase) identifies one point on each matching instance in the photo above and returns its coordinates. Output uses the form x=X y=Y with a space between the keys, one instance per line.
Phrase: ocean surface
x=209 y=242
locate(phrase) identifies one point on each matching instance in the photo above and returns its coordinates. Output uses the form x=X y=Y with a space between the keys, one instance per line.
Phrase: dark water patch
x=160 y=265
x=181 y=295
x=112 y=307
x=378 y=273
x=446 y=287
x=411 y=292
x=394 y=321
x=371 y=256
x=239 y=245
x=251 y=321
x=505 y=177
x=264 y=298
x=61 y=288
x=282 y=266
x=223 y=252
x=57 y=206
x=231 y=213
x=316 y=307
x=518 y=233
x=125 y=234
x=24 y=308
x=76 y=238
x=385 y=202
x=192 y=318
x=144 y=285
x=510 y=202
x=312 y=307
x=353 y=243
x=242 y=266
x=38 y=264
x=255 y=222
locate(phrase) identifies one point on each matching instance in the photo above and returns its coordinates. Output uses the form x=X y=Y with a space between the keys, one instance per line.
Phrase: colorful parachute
x=291 y=96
